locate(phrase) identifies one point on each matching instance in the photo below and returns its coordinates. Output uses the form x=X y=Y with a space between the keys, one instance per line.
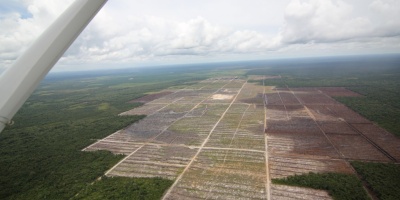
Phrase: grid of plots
x=208 y=137
x=223 y=174
x=308 y=131
x=225 y=138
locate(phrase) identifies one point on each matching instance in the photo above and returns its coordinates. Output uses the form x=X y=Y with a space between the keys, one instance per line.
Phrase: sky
x=131 y=33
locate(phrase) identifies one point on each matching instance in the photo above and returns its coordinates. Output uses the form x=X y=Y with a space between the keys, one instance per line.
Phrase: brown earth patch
x=328 y=128
x=222 y=97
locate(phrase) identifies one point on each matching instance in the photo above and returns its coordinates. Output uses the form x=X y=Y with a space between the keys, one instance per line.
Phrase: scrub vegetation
x=125 y=188
x=382 y=178
x=339 y=186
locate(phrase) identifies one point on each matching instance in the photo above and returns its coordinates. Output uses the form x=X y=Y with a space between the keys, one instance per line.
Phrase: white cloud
x=387 y=13
x=178 y=30
x=322 y=21
x=326 y=21
x=17 y=32
x=151 y=37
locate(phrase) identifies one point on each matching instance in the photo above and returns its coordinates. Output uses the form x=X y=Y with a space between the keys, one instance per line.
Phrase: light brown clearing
x=221 y=97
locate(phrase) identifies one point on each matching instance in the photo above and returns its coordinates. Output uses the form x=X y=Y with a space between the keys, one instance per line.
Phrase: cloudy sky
x=128 y=33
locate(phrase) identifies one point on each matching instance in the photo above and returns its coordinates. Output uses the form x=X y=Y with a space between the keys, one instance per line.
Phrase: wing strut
x=19 y=81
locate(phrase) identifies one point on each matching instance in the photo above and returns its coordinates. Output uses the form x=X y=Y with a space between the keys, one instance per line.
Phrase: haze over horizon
x=139 y=33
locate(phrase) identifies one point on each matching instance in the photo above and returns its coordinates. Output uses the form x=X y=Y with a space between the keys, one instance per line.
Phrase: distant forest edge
x=377 y=79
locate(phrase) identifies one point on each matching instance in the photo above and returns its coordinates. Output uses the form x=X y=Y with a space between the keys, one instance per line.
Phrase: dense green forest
x=339 y=186
x=138 y=188
x=383 y=179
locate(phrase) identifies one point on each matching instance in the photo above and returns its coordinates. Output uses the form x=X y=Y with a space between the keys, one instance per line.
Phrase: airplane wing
x=19 y=81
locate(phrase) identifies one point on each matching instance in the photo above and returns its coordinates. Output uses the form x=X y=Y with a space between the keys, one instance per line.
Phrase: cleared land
x=227 y=138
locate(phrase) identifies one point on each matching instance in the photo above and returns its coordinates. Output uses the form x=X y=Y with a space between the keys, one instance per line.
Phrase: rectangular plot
x=248 y=142
x=220 y=140
x=171 y=137
x=356 y=147
x=273 y=99
x=297 y=111
x=240 y=128
x=345 y=113
x=119 y=136
x=255 y=127
x=193 y=130
x=151 y=126
x=236 y=84
x=220 y=98
x=155 y=161
x=282 y=166
x=223 y=134
x=190 y=139
x=223 y=174
x=284 y=192
x=322 y=113
x=279 y=126
x=252 y=94
x=288 y=98
x=223 y=189
x=293 y=125
x=297 y=144
x=314 y=97
x=193 y=124
x=238 y=108
x=277 y=112
x=387 y=141
x=337 y=127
